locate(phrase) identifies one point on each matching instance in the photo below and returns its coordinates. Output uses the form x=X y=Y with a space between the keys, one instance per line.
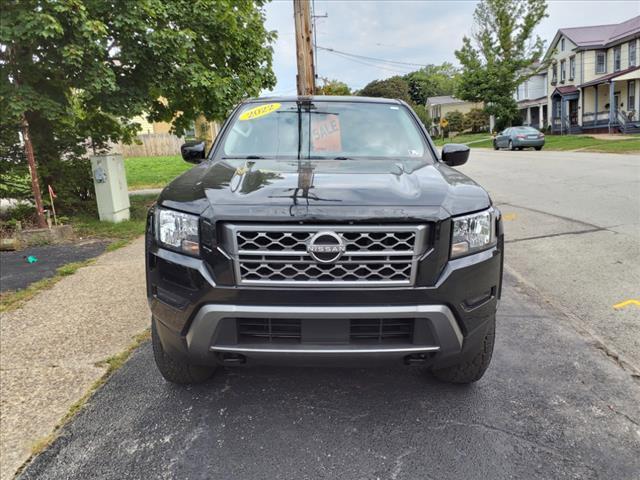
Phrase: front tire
x=495 y=145
x=176 y=370
x=473 y=369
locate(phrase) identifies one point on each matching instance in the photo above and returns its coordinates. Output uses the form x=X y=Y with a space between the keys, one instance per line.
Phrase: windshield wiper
x=246 y=157
x=342 y=158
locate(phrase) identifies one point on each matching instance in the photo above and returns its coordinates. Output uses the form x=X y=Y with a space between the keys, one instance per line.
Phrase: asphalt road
x=17 y=273
x=551 y=406
x=572 y=226
x=559 y=401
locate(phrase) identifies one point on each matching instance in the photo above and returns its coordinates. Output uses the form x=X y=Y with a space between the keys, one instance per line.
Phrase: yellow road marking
x=626 y=303
x=507 y=217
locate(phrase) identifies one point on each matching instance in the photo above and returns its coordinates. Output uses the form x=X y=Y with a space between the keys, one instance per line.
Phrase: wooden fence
x=151 y=145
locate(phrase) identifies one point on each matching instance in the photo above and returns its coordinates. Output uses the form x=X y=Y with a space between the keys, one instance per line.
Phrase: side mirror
x=193 y=152
x=454 y=154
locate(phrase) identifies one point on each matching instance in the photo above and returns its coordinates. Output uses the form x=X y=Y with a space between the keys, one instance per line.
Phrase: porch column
x=595 y=118
x=528 y=115
x=540 y=117
x=612 y=107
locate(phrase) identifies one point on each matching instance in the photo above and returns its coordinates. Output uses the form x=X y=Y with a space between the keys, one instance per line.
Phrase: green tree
x=423 y=114
x=501 y=53
x=431 y=81
x=476 y=120
x=82 y=69
x=394 y=87
x=456 y=121
x=333 y=87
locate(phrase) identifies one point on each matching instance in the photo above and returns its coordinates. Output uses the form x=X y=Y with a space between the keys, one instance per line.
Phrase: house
x=156 y=138
x=532 y=99
x=594 y=78
x=438 y=107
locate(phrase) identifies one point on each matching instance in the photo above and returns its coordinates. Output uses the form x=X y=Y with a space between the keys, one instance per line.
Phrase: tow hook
x=416 y=359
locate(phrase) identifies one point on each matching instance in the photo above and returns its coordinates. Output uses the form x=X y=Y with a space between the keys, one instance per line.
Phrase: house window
x=632 y=53
x=554 y=76
x=631 y=100
x=572 y=68
x=601 y=62
x=617 y=60
x=563 y=73
x=562 y=45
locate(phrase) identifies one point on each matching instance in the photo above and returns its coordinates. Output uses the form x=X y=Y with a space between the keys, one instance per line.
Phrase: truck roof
x=324 y=98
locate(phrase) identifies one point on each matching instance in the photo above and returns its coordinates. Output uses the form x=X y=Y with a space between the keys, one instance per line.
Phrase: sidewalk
x=49 y=348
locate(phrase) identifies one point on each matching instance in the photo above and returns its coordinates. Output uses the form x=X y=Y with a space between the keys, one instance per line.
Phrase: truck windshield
x=323 y=130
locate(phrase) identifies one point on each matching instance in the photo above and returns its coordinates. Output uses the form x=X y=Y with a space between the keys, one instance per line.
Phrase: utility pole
x=33 y=170
x=304 y=47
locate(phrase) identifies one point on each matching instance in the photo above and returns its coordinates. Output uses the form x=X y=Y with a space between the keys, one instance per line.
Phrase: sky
x=416 y=32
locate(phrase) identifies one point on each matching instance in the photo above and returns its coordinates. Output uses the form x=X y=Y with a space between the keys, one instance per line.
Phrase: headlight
x=472 y=233
x=178 y=231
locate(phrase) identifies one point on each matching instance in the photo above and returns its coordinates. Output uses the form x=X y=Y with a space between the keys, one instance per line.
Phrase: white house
x=531 y=96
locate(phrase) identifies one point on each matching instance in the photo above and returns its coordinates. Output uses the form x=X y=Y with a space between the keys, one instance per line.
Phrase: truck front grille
x=378 y=255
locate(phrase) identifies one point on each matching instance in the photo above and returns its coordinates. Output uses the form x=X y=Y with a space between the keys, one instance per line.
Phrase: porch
x=611 y=102
x=533 y=113
x=565 y=110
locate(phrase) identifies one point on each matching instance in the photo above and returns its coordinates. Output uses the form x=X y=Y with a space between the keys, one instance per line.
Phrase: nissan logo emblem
x=326 y=247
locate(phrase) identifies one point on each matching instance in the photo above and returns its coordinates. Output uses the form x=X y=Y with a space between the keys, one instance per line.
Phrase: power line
x=374 y=65
x=333 y=50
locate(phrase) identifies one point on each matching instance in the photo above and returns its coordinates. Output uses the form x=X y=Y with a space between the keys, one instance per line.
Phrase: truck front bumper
x=449 y=318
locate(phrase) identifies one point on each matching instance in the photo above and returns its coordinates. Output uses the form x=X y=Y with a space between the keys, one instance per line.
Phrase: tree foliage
x=423 y=114
x=82 y=69
x=431 y=81
x=456 y=121
x=501 y=53
x=333 y=87
x=394 y=87
x=476 y=120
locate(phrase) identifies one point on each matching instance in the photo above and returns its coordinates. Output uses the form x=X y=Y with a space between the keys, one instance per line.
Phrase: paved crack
x=551 y=235
x=561 y=217
x=521 y=438
x=400 y=462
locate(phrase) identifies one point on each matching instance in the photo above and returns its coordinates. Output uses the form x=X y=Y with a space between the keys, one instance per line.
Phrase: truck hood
x=324 y=185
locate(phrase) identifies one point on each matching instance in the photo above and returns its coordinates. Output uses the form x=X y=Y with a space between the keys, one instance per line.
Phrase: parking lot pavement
x=550 y=406
x=572 y=224
x=16 y=273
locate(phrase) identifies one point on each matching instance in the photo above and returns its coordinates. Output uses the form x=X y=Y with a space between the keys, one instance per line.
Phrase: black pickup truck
x=323 y=230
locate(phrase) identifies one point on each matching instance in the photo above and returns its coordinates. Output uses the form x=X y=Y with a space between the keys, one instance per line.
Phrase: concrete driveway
x=561 y=399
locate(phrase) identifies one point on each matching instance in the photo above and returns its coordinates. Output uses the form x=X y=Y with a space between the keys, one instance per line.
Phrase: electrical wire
x=364 y=57
x=373 y=65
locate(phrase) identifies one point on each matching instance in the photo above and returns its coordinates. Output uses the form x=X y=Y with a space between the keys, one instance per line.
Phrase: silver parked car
x=519 y=137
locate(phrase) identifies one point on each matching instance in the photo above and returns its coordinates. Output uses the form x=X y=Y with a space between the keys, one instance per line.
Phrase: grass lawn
x=153 y=172
x=89 y=226
x=583 y=143
x=627 y=144
x=478 y=139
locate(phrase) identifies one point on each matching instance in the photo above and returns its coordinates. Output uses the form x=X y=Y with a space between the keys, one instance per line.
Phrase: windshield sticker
x=260 y=111
x=325 y=133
